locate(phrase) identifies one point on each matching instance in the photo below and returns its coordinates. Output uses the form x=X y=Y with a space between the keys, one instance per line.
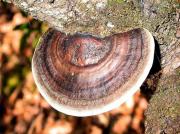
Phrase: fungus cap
x=84 y=75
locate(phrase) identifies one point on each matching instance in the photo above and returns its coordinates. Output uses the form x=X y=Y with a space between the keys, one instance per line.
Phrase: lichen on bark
x=94 y=16
x=162 y=115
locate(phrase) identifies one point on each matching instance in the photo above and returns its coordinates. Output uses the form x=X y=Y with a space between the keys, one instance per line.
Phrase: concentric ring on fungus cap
x=83 y=75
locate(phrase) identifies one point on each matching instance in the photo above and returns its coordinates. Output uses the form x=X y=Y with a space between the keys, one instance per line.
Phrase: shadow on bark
x=149 y=86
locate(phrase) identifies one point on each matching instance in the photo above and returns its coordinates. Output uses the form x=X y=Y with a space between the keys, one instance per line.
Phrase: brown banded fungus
x=84 y=75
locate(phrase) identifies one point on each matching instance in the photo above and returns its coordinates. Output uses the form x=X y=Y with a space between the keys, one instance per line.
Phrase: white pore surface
x=89 y=112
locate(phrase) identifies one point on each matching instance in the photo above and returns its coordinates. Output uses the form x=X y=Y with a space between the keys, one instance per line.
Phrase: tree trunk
x=104 y=17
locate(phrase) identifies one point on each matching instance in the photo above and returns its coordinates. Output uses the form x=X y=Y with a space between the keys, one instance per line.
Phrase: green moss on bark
x=164 y=108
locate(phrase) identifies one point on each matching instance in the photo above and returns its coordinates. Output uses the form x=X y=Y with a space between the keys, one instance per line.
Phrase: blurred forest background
x=23 y=110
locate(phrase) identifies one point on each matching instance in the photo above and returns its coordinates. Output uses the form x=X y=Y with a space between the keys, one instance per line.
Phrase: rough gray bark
x=105 y=17
x=163 y=113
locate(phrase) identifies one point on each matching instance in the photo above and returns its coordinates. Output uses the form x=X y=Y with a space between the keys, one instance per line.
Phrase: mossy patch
x=164 y=106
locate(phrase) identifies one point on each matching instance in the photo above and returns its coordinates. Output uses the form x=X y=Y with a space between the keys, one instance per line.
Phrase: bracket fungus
x=84 y=75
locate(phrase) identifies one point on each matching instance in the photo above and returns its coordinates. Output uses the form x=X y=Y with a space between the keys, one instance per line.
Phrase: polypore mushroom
x=84 y=75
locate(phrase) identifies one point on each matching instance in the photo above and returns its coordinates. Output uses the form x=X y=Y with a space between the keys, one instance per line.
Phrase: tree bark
x=102 y=18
